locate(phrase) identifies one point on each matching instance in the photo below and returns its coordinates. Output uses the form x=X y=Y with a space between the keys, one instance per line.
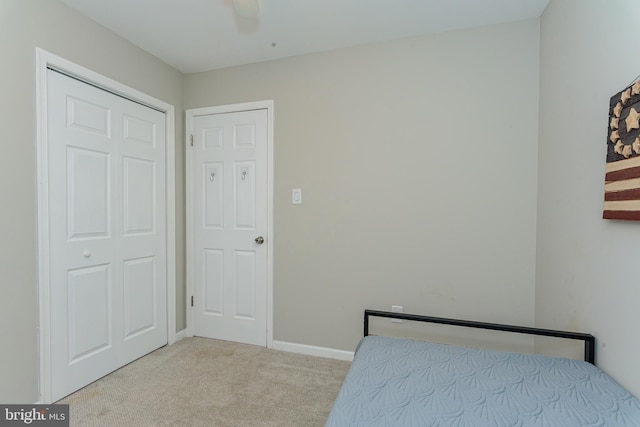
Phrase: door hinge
x=191 y=300
x=191 y=140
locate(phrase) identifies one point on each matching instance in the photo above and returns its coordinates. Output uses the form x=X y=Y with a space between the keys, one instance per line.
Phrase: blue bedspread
x=400 y=382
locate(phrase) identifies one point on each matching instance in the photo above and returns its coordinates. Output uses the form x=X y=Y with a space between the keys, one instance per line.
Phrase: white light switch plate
x=296 y=196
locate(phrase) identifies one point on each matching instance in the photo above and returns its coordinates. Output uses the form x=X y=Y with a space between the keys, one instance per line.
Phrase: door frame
x=222 y=109
x=43 y=61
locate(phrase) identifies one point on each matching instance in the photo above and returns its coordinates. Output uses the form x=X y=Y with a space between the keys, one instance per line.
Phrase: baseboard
x=180 y=335
x=311 y=350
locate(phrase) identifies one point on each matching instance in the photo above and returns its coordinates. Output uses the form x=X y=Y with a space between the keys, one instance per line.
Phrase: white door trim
x=220 y=109
x=45 y=60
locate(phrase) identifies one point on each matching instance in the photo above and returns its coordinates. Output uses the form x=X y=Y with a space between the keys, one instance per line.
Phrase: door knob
x=259 y=240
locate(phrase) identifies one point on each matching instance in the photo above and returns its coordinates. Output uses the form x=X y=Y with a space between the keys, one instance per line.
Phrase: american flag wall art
x=622 y=171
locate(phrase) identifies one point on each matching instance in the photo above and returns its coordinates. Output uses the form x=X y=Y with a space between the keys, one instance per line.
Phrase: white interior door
x=229 y=217
x=107 y=231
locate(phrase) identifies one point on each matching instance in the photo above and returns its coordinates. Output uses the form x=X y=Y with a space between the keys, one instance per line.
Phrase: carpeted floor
x=203 y=382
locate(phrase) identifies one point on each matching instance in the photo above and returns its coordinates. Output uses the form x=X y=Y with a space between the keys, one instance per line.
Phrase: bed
x=404 y=382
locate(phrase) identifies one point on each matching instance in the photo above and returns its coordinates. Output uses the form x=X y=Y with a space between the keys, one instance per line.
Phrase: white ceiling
x=200 y=35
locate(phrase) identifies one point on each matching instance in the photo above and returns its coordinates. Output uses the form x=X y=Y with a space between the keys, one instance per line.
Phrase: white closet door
x=106 y=179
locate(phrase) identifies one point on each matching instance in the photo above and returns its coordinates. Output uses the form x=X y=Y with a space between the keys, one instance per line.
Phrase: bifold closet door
x=107 y=239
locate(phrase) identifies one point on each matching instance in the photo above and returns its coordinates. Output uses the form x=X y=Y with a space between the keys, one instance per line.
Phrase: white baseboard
x=311 y=350
x=180 y=335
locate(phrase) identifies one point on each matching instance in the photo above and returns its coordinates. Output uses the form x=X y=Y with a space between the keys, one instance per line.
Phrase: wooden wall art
x=622 y=176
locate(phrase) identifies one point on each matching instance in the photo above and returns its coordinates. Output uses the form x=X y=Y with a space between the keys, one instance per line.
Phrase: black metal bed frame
x=589 y=340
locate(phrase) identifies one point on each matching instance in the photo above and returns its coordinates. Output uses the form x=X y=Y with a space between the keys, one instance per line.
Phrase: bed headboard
x=589 y=340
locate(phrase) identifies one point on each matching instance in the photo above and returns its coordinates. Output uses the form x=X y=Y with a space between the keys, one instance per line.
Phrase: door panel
x=139 y=194
x=139 y=283
x=213 y=195
x=89 y=202
x=245 y=285
x=89 y=305
x=244 y=190
x=139 y=130
x=229 y=178
x=107 y=231
x=213 y=288
x=212 y=138
x=85 y=115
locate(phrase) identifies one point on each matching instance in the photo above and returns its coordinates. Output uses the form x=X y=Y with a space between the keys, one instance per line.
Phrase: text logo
x=34 y=415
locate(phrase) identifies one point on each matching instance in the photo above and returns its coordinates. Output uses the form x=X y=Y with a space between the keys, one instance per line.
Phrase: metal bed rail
x=589 y=340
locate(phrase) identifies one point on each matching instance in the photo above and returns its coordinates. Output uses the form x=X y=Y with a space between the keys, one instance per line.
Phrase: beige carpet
x=203 y=382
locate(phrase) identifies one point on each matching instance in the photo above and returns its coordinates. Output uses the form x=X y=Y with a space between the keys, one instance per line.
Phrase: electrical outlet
x=396 y=309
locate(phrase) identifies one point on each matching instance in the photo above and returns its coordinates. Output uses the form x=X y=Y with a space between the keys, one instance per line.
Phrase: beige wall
x=25 y=24
x=418 y=164
x=587 y=274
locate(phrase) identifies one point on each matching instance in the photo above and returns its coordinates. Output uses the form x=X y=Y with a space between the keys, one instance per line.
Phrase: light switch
x=296 y=196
